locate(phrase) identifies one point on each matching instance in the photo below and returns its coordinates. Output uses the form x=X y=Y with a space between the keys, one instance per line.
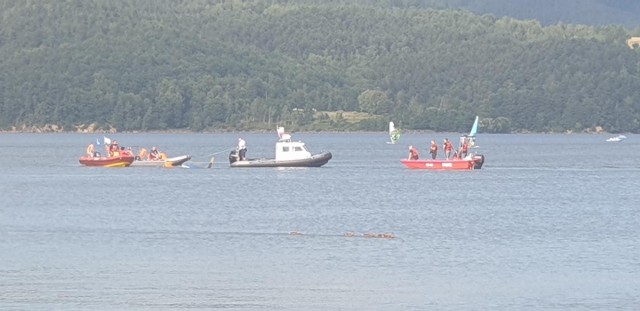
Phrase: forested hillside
x=549 y=12
x=210 y=65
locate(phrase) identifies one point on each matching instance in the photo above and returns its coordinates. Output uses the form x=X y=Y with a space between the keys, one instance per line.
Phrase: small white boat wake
x=617 y=138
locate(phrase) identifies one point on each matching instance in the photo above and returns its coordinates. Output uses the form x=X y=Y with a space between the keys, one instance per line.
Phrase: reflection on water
x=550 y=222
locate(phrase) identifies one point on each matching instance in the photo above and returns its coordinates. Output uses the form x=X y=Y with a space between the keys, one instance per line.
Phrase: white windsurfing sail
x=394 y=134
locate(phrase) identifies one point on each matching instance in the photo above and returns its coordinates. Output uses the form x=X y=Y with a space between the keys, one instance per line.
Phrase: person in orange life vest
x=154 y=155
x=413 y=153
x=447 y=147
x=464 y=149
x=433 y=149
x=114 y=149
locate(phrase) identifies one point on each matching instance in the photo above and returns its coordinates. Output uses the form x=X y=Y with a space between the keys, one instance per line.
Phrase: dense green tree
x=374 y=102
x=199 y=65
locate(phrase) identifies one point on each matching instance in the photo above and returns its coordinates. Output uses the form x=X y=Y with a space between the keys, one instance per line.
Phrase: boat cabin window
x=293 y=149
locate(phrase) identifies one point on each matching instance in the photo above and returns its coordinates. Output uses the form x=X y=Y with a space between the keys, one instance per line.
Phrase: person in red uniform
x=447 y=147
x=433 y=150
x=413 y=153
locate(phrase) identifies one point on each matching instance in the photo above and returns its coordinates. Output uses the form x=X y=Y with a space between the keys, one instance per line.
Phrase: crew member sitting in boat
x=413 y=153
x=91 y=151
x=242 y=149
x=142 y=155
x=114 y=149
x=154 y=155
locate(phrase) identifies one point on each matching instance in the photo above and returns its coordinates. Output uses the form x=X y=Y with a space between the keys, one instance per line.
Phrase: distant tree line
x=252 y=65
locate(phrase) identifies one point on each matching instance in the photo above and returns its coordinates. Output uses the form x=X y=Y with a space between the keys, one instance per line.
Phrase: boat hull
x=119 y=161
x=169 y=162
x=316 y=160
x=459 y=164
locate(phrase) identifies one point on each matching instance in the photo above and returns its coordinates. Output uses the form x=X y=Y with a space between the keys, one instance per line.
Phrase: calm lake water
x=551 y=222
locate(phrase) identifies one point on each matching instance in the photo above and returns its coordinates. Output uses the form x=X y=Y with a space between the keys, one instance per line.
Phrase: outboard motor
x=478 y=160
x=233 y=156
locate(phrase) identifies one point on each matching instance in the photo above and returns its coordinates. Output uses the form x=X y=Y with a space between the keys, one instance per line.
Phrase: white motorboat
x=288 y=154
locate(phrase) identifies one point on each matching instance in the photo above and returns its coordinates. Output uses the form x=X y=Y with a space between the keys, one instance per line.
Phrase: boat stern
x=478 y=161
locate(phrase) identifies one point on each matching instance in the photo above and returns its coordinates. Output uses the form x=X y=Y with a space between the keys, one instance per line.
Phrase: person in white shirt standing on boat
x=242 y=149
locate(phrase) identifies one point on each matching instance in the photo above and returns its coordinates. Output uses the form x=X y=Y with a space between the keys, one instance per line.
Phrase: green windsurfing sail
x=474 y=128
x=473 y=132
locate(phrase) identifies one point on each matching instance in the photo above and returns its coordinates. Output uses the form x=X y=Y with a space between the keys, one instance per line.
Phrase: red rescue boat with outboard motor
x=469 y=163
x=123 y=160
x=466 y=161
x=117 y=158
